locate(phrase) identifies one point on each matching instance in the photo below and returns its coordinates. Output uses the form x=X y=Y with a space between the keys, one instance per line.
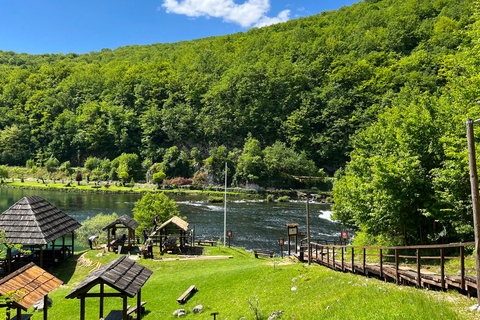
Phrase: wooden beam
x=139 y=304
x=82 y=308
x=45 y=307
x=125 y=316
x=98 y=295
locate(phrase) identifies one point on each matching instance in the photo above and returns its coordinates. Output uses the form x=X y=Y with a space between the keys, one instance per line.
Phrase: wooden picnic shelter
x=34 y=223
x=123 y=275
x=30 y=284
x=123 y=222
x=171 y=230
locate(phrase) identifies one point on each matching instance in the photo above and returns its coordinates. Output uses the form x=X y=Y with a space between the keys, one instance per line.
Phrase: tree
x=158 y=178
x=3 y=173
x=93 y=227
x=149 y=206
x=52 y=164
x=78 y=178
x=92 y=163
x=250 y=165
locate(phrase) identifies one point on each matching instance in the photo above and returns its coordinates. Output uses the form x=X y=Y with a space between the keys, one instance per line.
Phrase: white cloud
x=251 y=12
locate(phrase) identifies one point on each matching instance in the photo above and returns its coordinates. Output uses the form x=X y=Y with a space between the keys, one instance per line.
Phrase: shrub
x=200 y=179
x=93 y=227
x=284 y=199
x=106 y=185
x=269 y=198
x=213 y=199
x=178 y=181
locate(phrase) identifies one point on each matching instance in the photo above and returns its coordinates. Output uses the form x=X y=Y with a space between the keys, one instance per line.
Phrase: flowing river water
x=254 y=224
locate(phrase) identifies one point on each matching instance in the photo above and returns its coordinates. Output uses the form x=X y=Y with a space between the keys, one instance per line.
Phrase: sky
x=64 y=26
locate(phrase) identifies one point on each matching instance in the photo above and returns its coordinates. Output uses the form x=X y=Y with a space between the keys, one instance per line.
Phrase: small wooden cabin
x=123 y=275
x=33 y=222
x=123 y=222
x=173 y=229
x=31 y=283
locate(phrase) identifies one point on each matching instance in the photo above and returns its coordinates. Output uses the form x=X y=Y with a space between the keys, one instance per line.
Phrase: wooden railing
x=386 y=257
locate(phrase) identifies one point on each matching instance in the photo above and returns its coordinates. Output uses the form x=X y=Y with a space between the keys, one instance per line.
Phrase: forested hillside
x=308 y=83
x=408 y=179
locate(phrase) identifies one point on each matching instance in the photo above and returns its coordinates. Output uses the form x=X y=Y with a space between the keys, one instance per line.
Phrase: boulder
x=198 y=309
x=276 y=315
x=179 y=313
x=38 y=306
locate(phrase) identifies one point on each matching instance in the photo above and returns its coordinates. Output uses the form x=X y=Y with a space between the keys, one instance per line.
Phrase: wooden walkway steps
x=373 y=261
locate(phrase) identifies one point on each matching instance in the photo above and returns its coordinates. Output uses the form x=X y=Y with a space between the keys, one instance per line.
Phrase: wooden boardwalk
x=371 y=261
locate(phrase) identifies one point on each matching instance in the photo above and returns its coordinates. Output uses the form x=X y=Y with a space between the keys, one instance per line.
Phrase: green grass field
x=226 y=286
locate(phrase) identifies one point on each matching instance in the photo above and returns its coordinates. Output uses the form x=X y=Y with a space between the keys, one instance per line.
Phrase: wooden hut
x=124 y=222
x=33 y=221
x=173 y=229
x=123 y=275
x=31 y=283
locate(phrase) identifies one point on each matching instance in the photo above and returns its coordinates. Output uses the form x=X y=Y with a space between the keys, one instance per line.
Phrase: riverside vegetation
x=227 y=286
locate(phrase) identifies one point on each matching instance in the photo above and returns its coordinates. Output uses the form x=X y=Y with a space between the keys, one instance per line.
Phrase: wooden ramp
x=354 y=259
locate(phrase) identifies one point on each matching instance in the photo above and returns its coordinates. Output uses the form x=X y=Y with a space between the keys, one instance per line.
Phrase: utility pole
x=309 y=245
x=475 y=196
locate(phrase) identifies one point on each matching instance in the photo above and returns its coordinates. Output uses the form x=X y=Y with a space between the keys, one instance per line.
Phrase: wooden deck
x=354 y=259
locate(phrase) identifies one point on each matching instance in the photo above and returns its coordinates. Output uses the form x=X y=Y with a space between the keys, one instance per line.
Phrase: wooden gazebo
x=31 y=283
x=124 y=222
x=123 y=275
x=174 y=228
x=34 y=222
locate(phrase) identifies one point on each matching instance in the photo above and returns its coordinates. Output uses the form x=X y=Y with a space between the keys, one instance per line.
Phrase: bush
x=284 y=199
x=150 y=205
x=215 y=199
x=200 y=179
x=269 y=198
x=178 y=181
x=93 y=227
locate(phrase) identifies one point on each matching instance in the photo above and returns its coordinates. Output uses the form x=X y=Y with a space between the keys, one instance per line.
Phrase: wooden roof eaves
x=125 y=220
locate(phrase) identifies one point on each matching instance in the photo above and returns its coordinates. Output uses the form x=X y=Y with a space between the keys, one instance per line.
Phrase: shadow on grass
x=65 y=269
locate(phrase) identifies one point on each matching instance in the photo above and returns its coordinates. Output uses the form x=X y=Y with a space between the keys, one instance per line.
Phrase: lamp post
x=475 y=196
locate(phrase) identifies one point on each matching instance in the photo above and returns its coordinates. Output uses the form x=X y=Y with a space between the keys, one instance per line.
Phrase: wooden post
x=364 y=259
x=125 y=316
x=45 y=307
x=462 y=268
x=41 y=256
x=108 y=239
x=475 y=197
x=396 y=266
x=102 y=290
x=442 y=267
x=73 y=242
x=343 y=263
x=9 y=254
x=353 y=260
x=328 y=256
x=139 y=304
x=316 y=252
x=419 y=275
x=53 y=251
x=381 y=263
x=309 y=247
x=63 y=248
x=82 y=308
x=19 y=313
x=333 y=252
x=321 y=253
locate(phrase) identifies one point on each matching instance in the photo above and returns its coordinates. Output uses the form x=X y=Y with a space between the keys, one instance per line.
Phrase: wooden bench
x=264 y=253
x=23 y=317
x=183 y=297
x=134 y=308
x=199 y=242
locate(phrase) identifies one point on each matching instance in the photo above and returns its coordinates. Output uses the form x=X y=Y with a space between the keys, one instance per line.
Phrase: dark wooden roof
x=122 y=274
x=182 y=224
x=127 y=221
x=32 y=284
x=33 y=220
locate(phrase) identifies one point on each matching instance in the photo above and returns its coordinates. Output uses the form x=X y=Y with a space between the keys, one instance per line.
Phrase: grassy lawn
x=225 y=286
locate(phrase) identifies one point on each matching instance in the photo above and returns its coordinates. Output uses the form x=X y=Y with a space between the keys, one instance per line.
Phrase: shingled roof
x=31 y=283
x=127 y=221
x=33 y=220
x=122 y=274
x=182 y=224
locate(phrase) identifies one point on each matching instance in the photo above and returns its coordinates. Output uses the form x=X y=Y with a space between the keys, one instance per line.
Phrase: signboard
x=344 y=234
x=292 y=231
x=229 y=233
x=281 y=242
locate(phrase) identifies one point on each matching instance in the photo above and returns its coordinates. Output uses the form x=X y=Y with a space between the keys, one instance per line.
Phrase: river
x=254 y=224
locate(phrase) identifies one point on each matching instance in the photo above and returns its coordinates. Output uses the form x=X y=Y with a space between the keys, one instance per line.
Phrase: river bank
x=141 y=188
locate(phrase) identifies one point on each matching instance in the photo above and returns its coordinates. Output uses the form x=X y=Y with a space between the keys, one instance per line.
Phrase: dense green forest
x=310 y=83
x=381 y=88
x=408 y=178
